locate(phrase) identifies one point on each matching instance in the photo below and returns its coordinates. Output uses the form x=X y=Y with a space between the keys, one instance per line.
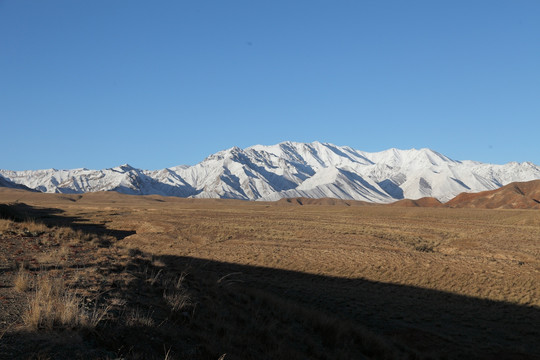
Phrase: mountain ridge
x=292 y=170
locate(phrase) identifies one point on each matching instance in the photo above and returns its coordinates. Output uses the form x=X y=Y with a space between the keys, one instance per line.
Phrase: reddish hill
x=423 y=202
x=322 y=201
x=518 y=195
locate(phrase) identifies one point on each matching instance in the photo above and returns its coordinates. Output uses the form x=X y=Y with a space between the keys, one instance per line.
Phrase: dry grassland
x=396 y=282
x=486 y=254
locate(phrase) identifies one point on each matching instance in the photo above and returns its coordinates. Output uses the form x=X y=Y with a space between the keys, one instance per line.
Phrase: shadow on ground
x=429 y=321
x=56 y=217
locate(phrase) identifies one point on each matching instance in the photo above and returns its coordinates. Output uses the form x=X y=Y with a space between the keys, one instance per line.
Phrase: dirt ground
x=426 y=282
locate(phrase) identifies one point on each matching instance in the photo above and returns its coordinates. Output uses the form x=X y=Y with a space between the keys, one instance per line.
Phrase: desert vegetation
x=106 y=276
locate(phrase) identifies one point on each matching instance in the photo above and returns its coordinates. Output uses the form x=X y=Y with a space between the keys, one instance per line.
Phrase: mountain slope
x=291 y=169
x=10 y=184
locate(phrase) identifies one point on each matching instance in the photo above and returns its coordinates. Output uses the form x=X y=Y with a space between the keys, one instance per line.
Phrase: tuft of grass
x=138 y=318
x=5 y=225
x=175 y=282
x=158 y=263
x=153 y=277
x=424 y=248
x=67 y=234
x=22 y=280
x=52 y=306
x=102 y=241
x=34 y=228
x=56 y=257
x=81 y=236
x=64 y=233
x=177 y=296
x=134 y=252
x=177 y=300
x=167 y=354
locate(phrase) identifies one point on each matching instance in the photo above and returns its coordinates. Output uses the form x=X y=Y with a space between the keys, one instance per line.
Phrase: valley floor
x=209 y=279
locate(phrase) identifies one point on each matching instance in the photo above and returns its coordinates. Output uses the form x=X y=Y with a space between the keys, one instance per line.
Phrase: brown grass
x=31 y=227
x=5 y=225
x=178 y=300
x=53 y=306
x=138 y=318
x=22 y=280
x=50 y=306
x=35 y=227
x=58 y=257
x=64 y=233
x=176 y=294
x=478 y=253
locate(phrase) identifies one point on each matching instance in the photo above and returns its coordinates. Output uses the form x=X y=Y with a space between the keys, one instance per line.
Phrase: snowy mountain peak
x=292 y=169
x=124 y=167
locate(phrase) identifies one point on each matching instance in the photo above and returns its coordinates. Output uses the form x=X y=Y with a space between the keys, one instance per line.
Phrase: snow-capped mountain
x=10 y=184
x=292 y=169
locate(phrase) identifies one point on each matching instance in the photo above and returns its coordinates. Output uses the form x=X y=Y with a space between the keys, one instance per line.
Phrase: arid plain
x=313 y=279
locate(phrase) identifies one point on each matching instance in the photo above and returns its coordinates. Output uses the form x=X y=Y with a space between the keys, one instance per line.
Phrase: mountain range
x=291 y=169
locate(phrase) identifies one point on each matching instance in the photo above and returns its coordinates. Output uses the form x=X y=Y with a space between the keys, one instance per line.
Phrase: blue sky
x=156 y=84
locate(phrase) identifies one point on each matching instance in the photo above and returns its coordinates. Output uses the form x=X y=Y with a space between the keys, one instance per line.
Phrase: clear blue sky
x=161 y=83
